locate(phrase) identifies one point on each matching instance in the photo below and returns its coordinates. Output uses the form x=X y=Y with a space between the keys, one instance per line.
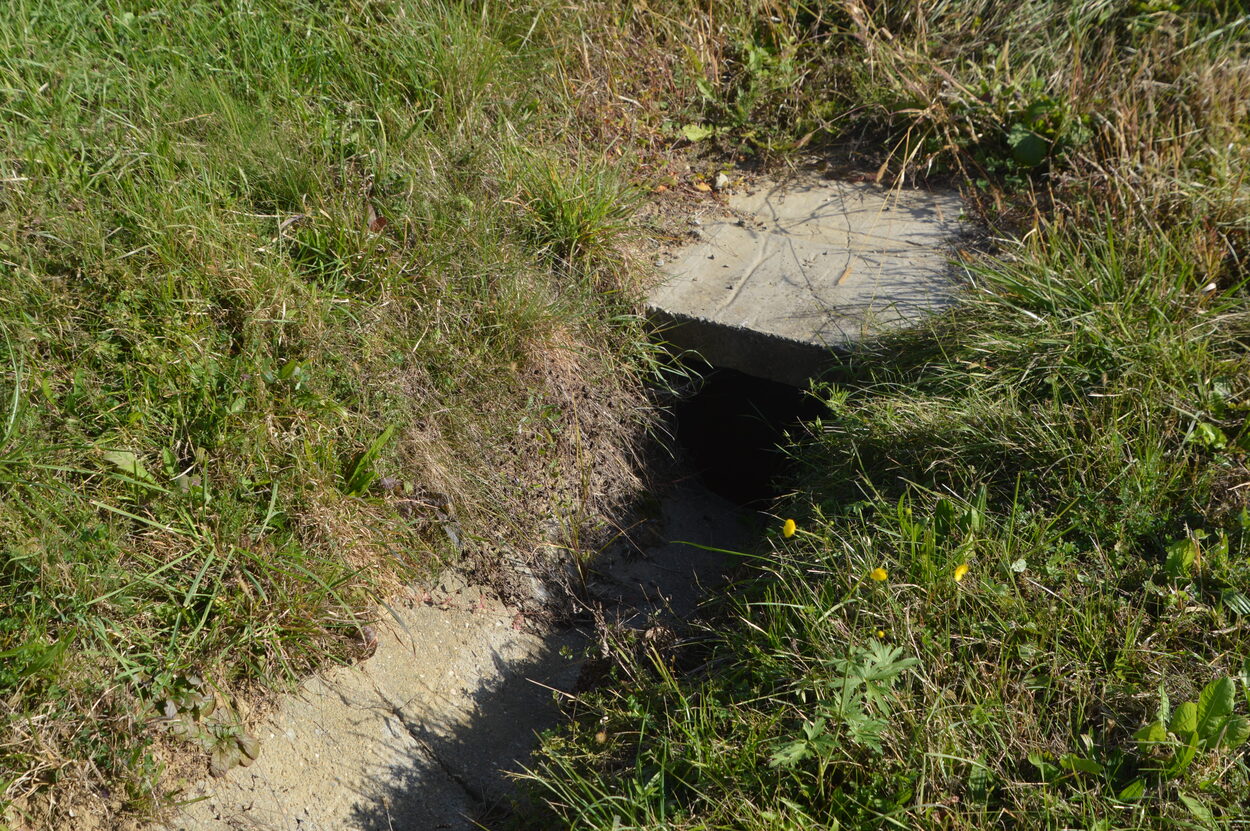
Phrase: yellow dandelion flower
x=961 y=571
x=879 y=574
x=788 y=528
x=880 y=633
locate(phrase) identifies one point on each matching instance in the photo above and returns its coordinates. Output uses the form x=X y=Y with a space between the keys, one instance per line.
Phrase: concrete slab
x=427 y=733
x=792 y=271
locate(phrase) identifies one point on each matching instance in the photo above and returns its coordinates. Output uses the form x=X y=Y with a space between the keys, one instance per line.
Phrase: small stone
x=722 y=181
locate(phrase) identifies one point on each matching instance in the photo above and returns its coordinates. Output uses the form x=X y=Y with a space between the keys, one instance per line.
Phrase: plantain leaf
x=1184 y=721
x=979 y=782
x=1151 y=736
x=1182 y=554
x=944 y=518
x=1079 y=764
x=360 y=473
x=1183 y=759
x=129 y=464
x=1215 y=702
x=1236 y=601
x=1200 y=812
x=1133 y=790
x=1046 y=768
x=1234 y=732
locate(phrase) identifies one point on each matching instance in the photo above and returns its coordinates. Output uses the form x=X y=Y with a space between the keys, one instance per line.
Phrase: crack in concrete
x=471 y=791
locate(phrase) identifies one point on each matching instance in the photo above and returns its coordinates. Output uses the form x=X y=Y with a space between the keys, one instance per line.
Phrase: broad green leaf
x=33 y=656
x=361 y=474
x=1235 y=601
x=789 y=754
x=1027 y=147
x=1133 y=790
x=1234 y=732
x=943 y=517
x=697 y=132
x=975 y=515
x=1208 y=436
x=1070 y=761
x=129 y=464
x=1182 y=554
x=1047 y=769
x=1201 y=812
x=1184 y=721
x=1215 y=702
x=979 y=781
x=288 y=370
x=1183 y=759
x=1150 y=736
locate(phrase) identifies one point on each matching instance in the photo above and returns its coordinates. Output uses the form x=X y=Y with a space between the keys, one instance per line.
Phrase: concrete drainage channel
x=424 y=733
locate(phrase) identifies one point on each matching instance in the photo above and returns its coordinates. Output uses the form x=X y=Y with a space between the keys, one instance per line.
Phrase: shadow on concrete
x=785 y=276
x=453 y=773
x=456 y=775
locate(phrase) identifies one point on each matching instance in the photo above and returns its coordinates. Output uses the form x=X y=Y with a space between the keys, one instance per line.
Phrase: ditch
x=425 y=733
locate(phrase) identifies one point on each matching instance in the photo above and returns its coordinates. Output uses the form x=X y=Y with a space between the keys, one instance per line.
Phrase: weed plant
x=1015 y=592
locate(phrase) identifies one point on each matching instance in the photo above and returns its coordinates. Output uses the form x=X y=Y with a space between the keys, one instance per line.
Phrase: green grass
x=1075 y=433
x=290 y=286
x=281 y=282
x=1107 y=567
x=1079 y=450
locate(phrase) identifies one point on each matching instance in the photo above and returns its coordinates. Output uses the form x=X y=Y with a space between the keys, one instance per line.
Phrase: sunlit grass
x=1016 y=570
x=273 y=274
x=1001 y=581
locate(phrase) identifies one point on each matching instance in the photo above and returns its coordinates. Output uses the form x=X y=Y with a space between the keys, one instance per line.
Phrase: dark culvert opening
x=731 y=429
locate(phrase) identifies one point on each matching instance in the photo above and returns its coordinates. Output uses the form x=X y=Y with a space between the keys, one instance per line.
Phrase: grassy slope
x=193 y=275
x=287 y=286
x=1075 y=435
